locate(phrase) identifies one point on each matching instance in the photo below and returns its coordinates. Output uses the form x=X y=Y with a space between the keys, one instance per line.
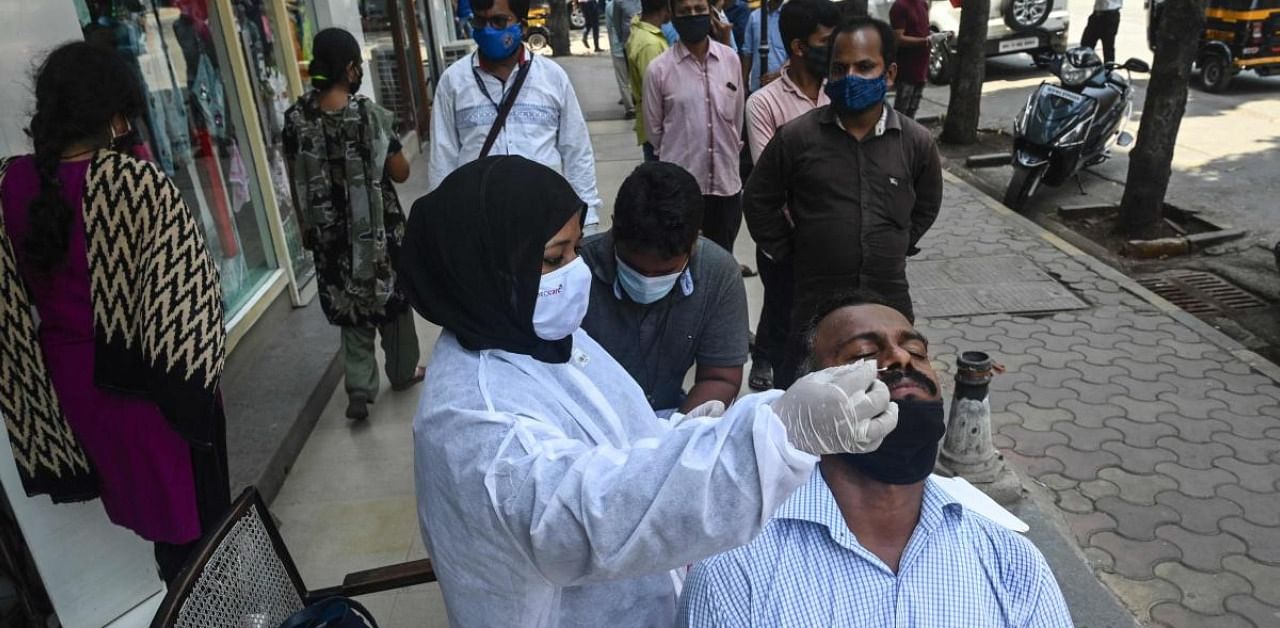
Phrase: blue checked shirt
x=807 y=570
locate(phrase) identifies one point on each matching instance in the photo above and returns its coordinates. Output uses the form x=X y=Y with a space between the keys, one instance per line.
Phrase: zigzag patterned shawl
x=157 y=318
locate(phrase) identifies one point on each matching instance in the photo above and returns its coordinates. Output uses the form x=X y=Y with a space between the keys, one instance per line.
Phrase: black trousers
x=213 y=497
x=591 y=13
x=721 y=219
x=1102 y=25
x=775 y=313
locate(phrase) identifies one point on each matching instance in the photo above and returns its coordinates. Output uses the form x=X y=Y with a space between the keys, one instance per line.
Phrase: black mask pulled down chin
x=908 y=453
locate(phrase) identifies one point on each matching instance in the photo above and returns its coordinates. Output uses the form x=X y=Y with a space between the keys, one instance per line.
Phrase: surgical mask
x=643 y=289
x=692 y=28
x=817 y=60
x=854 y=94
x=909 y=452
x=498 y=44
x=563 y=296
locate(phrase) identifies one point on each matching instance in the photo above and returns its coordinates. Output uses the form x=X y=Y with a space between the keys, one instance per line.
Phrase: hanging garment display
x=207 y=92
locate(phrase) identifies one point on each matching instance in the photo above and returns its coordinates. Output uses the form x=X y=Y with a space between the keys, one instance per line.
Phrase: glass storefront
x=303 y=29
x=193 y=129
x=263 y=53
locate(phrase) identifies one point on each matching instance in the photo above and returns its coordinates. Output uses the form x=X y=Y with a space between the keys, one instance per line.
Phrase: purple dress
x=144 y=466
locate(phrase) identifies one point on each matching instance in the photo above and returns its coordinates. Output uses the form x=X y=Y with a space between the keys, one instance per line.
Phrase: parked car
x=1037 y=27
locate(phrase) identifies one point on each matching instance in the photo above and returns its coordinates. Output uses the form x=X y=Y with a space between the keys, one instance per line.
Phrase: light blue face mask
x=642 y=289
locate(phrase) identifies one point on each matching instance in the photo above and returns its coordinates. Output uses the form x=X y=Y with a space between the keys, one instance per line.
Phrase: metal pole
x=967 y=449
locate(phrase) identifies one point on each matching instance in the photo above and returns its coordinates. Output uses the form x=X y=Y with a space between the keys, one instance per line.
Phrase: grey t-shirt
x=703 y=319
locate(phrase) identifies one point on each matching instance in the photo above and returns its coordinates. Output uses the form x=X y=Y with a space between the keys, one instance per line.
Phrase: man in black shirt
x=863 y=185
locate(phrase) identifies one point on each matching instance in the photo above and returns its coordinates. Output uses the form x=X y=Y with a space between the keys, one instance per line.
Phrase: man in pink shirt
x=805 y=26
x=693 y=107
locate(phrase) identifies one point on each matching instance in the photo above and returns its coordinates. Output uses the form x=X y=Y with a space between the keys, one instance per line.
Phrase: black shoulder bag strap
x=504 y=109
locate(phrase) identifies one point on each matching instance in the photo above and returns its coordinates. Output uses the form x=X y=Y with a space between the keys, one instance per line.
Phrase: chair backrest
x=241 y=576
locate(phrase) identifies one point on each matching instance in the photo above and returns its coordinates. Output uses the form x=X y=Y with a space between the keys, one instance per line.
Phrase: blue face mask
x=498 y=44
x=643 y=289
x=854 y=94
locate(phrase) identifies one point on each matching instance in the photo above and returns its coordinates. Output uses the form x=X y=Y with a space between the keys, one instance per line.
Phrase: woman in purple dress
x=111 y=336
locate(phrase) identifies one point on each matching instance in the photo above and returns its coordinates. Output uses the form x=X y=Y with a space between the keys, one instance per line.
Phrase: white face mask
x=563 y=296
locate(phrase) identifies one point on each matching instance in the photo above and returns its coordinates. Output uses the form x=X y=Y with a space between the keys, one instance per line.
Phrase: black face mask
x=692 y=28
x=354 y=85
x=908 y=453
x=817 y=60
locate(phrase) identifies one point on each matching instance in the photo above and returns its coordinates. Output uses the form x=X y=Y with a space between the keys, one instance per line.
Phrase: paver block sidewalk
x=1161 y=448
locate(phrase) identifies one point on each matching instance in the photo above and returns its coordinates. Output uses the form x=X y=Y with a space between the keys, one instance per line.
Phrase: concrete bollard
x=967 y=450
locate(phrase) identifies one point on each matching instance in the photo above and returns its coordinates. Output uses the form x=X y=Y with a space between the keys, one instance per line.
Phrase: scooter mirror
x=1136 y=65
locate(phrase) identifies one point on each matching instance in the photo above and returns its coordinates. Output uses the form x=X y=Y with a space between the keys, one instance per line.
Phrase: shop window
x=303 y=29
x=263 y=53
x=193 y=128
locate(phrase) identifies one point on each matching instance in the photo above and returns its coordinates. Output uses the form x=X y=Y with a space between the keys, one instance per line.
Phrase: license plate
x=1014 y=45
x=1058 y=92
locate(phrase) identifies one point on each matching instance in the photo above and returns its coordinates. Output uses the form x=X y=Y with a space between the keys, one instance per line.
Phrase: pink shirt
x=774 y=105
x=694 y=114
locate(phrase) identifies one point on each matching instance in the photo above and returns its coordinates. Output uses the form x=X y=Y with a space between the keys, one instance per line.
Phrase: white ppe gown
x=551 y=494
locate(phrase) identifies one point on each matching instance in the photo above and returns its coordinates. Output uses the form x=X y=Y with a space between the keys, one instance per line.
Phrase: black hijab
x=472 y=254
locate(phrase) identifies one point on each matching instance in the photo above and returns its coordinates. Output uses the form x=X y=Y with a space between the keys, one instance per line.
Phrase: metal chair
x=242 y=576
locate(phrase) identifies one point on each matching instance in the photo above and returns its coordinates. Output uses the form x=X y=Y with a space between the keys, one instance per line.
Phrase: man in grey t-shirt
x=664 y=299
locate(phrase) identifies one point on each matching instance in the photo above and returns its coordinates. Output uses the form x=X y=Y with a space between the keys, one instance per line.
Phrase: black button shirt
x=858 y=207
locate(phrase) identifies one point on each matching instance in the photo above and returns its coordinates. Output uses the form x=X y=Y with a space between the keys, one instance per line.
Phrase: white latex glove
x=841 y=410
x=713 y=409
x=710 y=409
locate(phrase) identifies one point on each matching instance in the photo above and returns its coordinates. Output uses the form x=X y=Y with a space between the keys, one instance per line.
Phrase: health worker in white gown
x=549 y=493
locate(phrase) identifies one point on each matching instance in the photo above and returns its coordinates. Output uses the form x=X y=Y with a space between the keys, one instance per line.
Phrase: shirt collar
x=682 y=51
x=813 y=502
x=638 y=23
x=889 y=120
x=791 y=87
x=524 y=57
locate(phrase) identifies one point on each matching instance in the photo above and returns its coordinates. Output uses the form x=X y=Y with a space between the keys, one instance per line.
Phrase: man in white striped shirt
x=870 y=540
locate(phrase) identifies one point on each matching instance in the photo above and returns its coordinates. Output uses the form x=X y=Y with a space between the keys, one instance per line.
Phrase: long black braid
x=80 y=88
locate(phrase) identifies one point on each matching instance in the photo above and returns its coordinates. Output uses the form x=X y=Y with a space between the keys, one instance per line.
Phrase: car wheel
x=1215 y=73
x=577 y=20
x=1025 y=15
x=941 y=65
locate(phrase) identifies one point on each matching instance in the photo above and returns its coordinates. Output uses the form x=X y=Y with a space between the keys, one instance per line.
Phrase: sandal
x=761 y=378
x=418 y=375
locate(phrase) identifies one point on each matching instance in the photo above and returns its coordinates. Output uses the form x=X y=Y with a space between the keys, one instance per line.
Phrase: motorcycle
x=1071 y=126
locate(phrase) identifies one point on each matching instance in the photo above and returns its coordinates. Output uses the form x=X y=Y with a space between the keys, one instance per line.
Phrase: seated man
x=870 y=540
x=663 y=298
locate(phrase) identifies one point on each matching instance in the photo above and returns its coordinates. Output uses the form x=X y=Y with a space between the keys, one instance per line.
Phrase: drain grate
x=1199 y=292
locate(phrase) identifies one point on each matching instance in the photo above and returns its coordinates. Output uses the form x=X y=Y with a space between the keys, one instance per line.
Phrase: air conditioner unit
x=456 y=50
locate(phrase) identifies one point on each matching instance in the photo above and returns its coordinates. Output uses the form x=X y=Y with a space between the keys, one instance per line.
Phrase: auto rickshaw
x=1238 y=35
x=536 y=33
